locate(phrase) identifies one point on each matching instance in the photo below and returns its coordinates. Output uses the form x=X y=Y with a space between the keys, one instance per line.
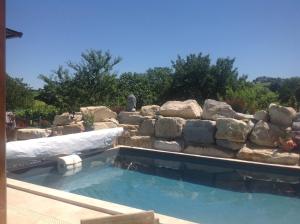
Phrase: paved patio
x=28 y=208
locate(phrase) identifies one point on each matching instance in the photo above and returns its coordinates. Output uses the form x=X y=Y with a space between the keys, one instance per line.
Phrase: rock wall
x=67 y=123
x=216 y=130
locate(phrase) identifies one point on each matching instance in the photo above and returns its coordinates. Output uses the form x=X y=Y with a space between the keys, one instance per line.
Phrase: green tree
x=192 y=77
x=18 y=94
x=225 y=77
x=160 y=81
x=288 y=91
x=137 y=84
x=195 y=77
x=93 y=82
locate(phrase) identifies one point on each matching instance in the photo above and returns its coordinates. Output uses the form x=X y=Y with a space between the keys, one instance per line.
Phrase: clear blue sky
x=263 y=35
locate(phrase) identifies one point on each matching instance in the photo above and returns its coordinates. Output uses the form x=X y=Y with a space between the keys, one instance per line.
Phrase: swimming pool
x=194 y=188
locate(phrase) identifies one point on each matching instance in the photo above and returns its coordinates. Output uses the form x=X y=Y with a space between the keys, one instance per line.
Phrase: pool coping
x=85 y=202
x=218 y=161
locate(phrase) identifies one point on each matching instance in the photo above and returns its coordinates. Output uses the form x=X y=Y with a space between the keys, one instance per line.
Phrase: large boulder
x=266 y=134
x=62 y=119
x=129 y=130
x=77 y=116
x=104 y=125
x=297 y=117
x=72 y=128
x=147 y=127
x=261 y=115
x=281 y=116
x=296 y=137
x=30 y=133
x=269 y=156
x=99 y=113
x=296 y=126
x=241 y=116
x=188 y=109
x=230 y=144
x=169 y=127
x=213 y=151
x=149 y=110
x=172 y=146
x=212 y=110
x=134 y=118
x=232 y=130
x=199 y=132
x=136 y=141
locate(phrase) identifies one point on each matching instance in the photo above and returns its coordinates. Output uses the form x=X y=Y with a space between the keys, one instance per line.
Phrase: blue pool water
x=206 y=197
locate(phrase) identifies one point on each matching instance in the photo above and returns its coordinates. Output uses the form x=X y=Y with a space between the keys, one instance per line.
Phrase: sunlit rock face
x=268 y=156
x=281 y=116
x=31 y=133
x=134 y=118
x=266 y=134
x=99 y=113
x=232 y=130
x=212 y=110
x=261 y=115
x=172 y=146
x=150 y=110
x=169 y=127
x=188 y=109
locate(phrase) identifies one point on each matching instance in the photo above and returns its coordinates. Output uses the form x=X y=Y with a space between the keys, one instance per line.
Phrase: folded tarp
x=43 y=148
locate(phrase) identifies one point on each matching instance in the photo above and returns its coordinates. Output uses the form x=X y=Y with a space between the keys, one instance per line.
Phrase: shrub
x=88 y=121
x=38 y=113
x=250 y=98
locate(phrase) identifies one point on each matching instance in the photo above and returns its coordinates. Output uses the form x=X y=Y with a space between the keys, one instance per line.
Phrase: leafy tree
x=192 y=77
x=225 y=76
x=18 y=94
x=195 y=77
x=288 y=91
x=60 y=90
x=135 y=83
x=160 y=80
x=92 y=82
x=96 y=77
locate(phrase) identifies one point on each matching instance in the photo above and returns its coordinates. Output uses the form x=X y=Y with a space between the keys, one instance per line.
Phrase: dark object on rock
x=131 y=103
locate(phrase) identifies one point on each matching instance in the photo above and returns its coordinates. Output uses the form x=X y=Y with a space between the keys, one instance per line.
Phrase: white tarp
x=43 y=148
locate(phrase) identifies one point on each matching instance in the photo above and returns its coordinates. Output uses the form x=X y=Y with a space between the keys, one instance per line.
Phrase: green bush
x=250 y=98
x=39 y=111
x=88 y=121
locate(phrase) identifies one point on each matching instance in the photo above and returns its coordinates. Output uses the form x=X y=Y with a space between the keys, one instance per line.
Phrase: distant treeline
x=93 y=81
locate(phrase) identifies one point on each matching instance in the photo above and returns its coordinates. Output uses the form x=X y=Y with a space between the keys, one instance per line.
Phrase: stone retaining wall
x=216 y=130
x=184 y=126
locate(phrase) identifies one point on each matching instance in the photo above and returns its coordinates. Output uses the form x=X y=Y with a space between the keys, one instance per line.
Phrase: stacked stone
x=65 y=123
x=219 y=134
x=270 y=128
x=31 y=133
x=103 y=116
x=132 y=122
x=217 y=130
x=296 y=129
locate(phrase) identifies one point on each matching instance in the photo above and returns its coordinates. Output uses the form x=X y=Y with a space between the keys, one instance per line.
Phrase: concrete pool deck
x=25 y=207
x=34 y=204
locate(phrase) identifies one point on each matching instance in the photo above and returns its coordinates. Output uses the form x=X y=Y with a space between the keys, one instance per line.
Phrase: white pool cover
x=43 y=148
